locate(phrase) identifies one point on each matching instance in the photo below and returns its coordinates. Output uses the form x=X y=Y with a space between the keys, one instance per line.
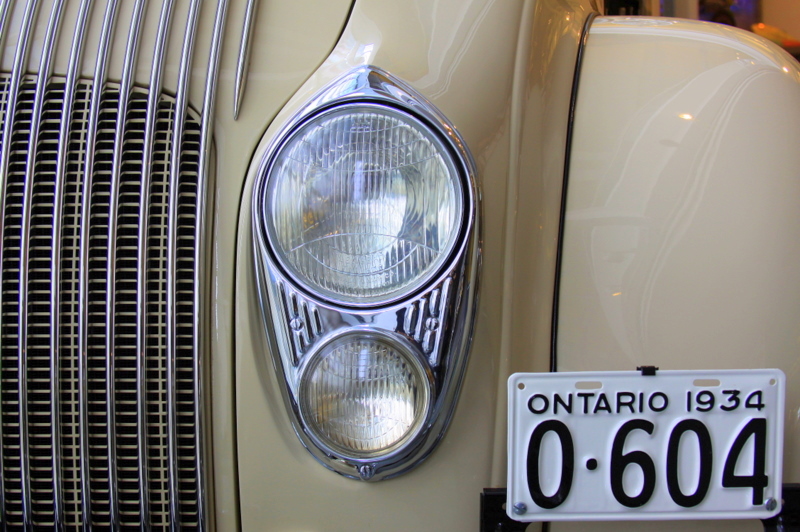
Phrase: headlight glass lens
x=364 y=396
x=365 y=203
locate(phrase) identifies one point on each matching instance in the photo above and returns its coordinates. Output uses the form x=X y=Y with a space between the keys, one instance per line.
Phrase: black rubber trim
x=493 y=513
x=567 y=154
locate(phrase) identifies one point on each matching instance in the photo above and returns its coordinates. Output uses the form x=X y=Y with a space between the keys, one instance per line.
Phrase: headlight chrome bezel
x=447 y=140
x=419 y=367
x=432 y=320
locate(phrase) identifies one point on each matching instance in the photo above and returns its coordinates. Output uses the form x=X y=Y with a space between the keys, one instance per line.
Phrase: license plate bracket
x=620 y=445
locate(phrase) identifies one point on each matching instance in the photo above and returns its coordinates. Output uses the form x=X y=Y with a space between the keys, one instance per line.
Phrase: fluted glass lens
x=364 y=203
x=364 y=397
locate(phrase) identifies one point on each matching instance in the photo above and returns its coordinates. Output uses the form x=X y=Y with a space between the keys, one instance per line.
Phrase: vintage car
x=269 y=265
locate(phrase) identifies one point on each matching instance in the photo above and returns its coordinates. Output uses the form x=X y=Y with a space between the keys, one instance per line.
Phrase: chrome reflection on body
x=99 y=182
x=202 y=313
x=433 y=319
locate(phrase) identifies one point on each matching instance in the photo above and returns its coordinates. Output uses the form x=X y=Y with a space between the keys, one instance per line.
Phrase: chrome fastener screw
x=296 y=324
x=771 y=504
x=366 y=471
x=520 y=508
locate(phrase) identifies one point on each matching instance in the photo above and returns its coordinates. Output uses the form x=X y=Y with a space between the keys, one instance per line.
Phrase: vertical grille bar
x=113 y=327
x=5 y=10
x=100 y=493
x=181 y=104
x=209 y=101
x=164 y=25
x=3 y=191
x=66 y=367
x=72 y=358
x=16 y=446
x=39 y=338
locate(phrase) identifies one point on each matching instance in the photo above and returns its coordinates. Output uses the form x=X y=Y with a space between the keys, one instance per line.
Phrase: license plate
x=622 y=445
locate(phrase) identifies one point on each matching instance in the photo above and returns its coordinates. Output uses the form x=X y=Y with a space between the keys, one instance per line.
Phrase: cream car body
x=680 y=235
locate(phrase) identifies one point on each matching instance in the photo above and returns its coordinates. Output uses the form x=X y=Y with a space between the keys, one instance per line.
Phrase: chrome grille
x=36 y=363
x=103 y=216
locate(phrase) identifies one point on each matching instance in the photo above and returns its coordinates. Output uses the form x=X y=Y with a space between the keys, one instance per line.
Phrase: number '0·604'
x=755 y=428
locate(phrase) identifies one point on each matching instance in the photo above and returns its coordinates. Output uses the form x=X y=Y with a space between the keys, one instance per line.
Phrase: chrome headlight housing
x=366 y=234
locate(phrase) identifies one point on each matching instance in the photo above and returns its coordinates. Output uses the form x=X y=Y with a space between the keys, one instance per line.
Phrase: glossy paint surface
x=501 y=72
x=282 y=58
x=683 y=229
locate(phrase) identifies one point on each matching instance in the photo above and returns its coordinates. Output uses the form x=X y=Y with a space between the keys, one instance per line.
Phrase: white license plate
x=621 y=445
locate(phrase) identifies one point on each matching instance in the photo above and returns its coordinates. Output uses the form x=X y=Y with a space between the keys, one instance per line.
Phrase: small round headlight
x=365 y=203
x=364 y=395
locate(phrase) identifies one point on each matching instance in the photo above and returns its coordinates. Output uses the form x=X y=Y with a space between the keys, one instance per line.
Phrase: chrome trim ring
x=430 y=271
x=370 y=85
x=407 y=351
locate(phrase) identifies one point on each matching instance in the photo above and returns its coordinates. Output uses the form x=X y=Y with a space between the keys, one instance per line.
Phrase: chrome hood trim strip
x=244 y=56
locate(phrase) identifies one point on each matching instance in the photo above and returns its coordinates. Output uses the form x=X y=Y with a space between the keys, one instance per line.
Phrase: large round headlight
x=364 y=204
x=364 y=396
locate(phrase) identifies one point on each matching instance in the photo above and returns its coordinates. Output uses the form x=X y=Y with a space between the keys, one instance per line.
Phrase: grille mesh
x=66 y=418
